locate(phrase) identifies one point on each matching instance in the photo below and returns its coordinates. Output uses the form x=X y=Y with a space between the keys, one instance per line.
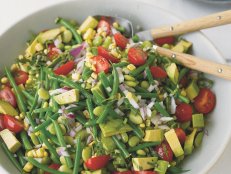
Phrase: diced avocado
x=67 y=97
x=31 y=48
x=182 y=46
x=114 y=127
x=10 y=140
x=86 y=153
x=90 y=22
x=98 y=93
x=192 y=90
x=6 y=108
x=162 y=166
x=188 y=145
x=49 y=34
x=173 y=72
x=198 y=120
x=155 y=135
x=185 y=125
x=141 y=164
x=178 y=48
x=174 y=142
x=198 y=139
x=108 y=143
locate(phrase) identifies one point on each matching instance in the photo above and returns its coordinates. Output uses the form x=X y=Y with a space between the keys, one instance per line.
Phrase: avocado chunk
x=108 y=143
x=67 y=97
x=7 y=108
x=182 y=46
x=31 y=49
x=10 y=140
x=98 y=93
x=141 y=164
x=86 y=153
x=198 y=139
x=174 y=142
x=192 y=90
x=188 y=145
x=49 y=35
x=155 y=135
x=173 y=72
x=198 y=121
x=90 y=22
x=162 y=166
x=114 y=127
x=178 y=48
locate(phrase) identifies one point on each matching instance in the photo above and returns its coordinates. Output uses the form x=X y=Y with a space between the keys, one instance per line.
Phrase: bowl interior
x=12 y=43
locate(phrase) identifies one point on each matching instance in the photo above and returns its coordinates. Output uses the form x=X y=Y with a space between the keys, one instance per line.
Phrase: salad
x=86 y=99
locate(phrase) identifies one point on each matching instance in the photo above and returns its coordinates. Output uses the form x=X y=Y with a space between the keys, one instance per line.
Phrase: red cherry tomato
x=12 y=124
x=20 y=77
x=53 y=51
x=65 y=68
x=164 y=151
x=165 y=40
x=104 y=53
x=7 y=95
x=137 y=56
x=105 y=25
x=2 y=126
x=53 y=166
x=205 y=101
x=97 y=162
x=181 y=135
x=184 y=112
x=126 y=172
x=144 y=172
x=121 y=40
x=158 y=72
x=101 y=64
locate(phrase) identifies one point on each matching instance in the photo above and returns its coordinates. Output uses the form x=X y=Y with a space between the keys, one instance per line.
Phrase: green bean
x=55 y=106
x=110 y=79
x=183 y=71
x=141 y=68
x=103 y=116
x=183 y=99
x=47 y=83
x=55 y=62
x=53 y=138
x=43 y=167
x=62 y=142
x=80 y=118
x=69 y=26
x=27 y=95
x=11 y=156
x=21 y=158
x=90 y=123
x=90 y=110
x=161 y=110
x=138 y=132
x=34 y=103
x=135 y=38
x=26 y=143
x=115 y=82
x=86 y=73
x=149 y=75
x=141 y=90
x=47 y=122
x=41 y=110
x=20 y=101
x=105 y=81
x=78 y=108
x=146 y=95
x=177 y=95
x=121 y=64
x=133 y=141
x=143 y=146
x=78 y=155
x=121 y=146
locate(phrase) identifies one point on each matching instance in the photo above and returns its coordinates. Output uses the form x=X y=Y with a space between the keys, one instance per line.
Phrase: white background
x=14 y=10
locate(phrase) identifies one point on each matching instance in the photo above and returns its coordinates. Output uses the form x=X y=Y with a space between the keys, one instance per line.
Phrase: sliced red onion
x=164 y=127
x=38 y=146
x=113 y=30
x=108 y=89
x=72 y=133
x=120 y=101
x=120 y=74
x=48 y=62
x=149 y=112
x=30 y=130
x=119 y=112
x=78 y=128
x=57 y=42
x=62 y=151
x=75 y=52
x=166 y=119
x=89 y=139
x=142 y=113
x=70 y=115
x=71 y=106
x=39 y=160
x=151 y=88
x=133 y=103
x=57 y=91
x=173 y=105
x=156 y=120
x=88 y=130
x=151 y=104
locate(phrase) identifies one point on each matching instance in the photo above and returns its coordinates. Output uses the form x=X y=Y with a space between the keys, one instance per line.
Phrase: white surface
x=13 y=10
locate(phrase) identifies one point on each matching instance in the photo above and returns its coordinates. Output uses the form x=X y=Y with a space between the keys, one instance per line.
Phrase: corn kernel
x=142 y=125
x=29 y=154
x=115 y=53
x=4 y=80
x=86 y=113
x=75 y=76
x=45 y=105
x=112 y=46
x=88 y=86
x=28 y=167
x=39 y=47
x=104 y=34
x=18 y=118
x=94 y=75
x=40 y=152
x=37 y=133
x=20 y=57
x=115 y=25
x=34 y=153
x=131 y=67
x=183 y=92
x=89 y=55
x=45 y=154
x=129 y=95
x=44 y=146
x=14 y=67
x=90 y=33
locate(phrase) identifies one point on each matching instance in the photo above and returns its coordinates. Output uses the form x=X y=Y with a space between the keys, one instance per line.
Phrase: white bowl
x=12 y=43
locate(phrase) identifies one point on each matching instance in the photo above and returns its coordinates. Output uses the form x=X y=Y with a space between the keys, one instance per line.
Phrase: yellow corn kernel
x=44 y=146
x=94 y=75
x=112 y=46
x=28 y=167
x=88 y=64
x=14 y=67
x=39 y=47
x=45 y=154
x=20 y=57
x=142 y=125
x=22 y=115
x=129 y=78
x=93 y=68
x=17 y=117
x=75 y=76
x=129 y=95
x=4 y=80
x=45 y=105
x=92 y=143
x=118 y=96
x=183 y=92
x=115 y=53
x=86 y=113
x=45 y=51
x=115 y=25
x=25 y=125
x=88 y=86
x=37 y=133
x=104 y=34
x=131 y=83
x=29 y=154
x=124 y=59
x=131 y=67
x=90 y=33
x=89 y=55
x=40 y=152
x=34 y=153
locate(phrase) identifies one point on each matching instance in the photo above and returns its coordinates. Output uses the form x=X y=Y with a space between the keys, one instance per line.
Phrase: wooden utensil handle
x=213 y=20
x=199 y=64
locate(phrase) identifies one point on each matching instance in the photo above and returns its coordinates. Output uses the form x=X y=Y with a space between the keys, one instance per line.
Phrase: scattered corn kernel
x=115 y=53
x=39 y=47
x=183 y=92
x=131 y=67
x=90 y=33
x=115 y=25
x=4 y=80
x=142 y=125
x=28 y=167
x=45 y=51
x=14 y=67
x=45 y=154
x=37 y=133
x=29 y=154
x=86 y=113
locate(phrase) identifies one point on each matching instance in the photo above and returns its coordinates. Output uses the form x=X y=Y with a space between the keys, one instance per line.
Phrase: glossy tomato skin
x=2 y=126
x=105 y=25
x=7 y=95
x=53 y=51
x=158 y=72
x=20 y=77
x=97 y=162
x=101 y=64
x=121 y=40
x=205 y=101
x=164 y=151
x=53 y=166
x=144 y=172
x=137 y=56
x=104 y=53
x=65 y=68
x=12 y=124
x=165 y=40
x=184 y=112
x=181 y=135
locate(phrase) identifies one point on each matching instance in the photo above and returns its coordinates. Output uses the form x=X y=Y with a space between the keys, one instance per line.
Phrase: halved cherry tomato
x=12 y=124
x=53 y=51
x=65 y=68
x=164 y=151
x=20 y=77
x=184 y=112
x=165 y=40
x=2 y=126
x=7 y=95
x=126 y=172
x=104 y=53
x=97 y=162
x=137 y=56
x=205 y=101
x=144 y=172
x=181 y=135
x=101 y=64
x=53 y=166
x=105 y=25
x=158 y=72
x=121 y=40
